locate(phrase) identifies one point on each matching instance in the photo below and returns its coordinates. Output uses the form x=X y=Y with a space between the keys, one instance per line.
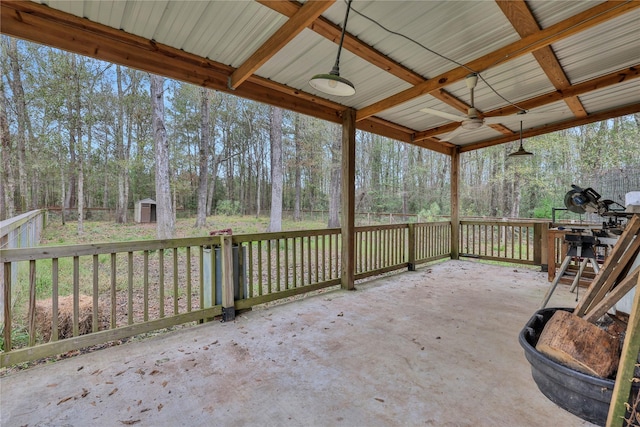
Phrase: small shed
x=145 y=211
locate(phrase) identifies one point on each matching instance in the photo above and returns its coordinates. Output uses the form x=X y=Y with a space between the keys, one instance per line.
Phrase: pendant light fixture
x=332 y=83
x=521 y=151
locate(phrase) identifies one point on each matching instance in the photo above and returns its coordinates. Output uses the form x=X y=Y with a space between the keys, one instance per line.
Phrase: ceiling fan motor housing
x=473 y=121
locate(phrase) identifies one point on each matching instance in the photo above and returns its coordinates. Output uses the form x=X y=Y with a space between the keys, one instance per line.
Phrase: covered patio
x=437 y=346
x=434 y=347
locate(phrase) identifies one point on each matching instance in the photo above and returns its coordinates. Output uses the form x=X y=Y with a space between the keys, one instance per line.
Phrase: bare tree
x=122 y=153
x=24 y=124
x=75 y=122
x=275 y=116
x=298 y=166
x=164 y=212
x=205 y=136
x=9 y=184
x=336 y=179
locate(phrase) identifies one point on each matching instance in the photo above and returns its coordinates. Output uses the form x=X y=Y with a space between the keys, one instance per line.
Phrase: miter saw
x=582 y=242
x=580 y=201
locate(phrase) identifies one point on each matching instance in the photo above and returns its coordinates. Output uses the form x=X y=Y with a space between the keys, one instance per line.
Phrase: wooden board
x=613 y=266
x=580 y=345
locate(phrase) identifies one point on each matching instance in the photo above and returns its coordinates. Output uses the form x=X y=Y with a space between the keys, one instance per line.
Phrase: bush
x=228 y=207
x=431 y=213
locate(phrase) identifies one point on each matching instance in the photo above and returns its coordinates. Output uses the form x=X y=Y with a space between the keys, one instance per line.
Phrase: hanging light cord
x=344 y=27
x=435 y=53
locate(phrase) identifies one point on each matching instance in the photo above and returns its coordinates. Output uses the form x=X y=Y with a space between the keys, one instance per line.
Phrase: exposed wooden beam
x=563 y=29
x=383 y=127
x=436 y=145
x=451 y=100
x=502 y=129
x=438 y=130
x=523 y=21
x=294 y=26
x=332 y=32
x=329 y=30
x=42 y=24
x=605 y=115
x=548 y=98
x=614 y=78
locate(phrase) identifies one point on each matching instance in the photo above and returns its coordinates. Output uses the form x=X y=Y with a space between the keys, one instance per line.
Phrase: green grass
x=102 y=232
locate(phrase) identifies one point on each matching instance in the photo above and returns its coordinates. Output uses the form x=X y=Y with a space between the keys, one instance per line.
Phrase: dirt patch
x=44 y=317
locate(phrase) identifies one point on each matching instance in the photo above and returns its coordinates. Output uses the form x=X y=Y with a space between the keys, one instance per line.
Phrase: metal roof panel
x=613 y=45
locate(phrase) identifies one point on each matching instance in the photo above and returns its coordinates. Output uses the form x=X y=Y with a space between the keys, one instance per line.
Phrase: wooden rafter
x=42 y=24
x=611 y=79
x=329 y=30
x=561 y=30
x=605 y=115
x=523 y=21
x=582 y=88
x=298 y=22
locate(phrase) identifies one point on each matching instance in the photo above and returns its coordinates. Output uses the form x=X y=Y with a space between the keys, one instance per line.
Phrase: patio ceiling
x=577 y=59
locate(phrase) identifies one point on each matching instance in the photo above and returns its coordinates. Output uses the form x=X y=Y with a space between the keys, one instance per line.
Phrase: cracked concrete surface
x=435 y=347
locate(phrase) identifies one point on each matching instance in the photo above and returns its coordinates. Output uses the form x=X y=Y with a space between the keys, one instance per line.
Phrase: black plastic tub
x=583 y=395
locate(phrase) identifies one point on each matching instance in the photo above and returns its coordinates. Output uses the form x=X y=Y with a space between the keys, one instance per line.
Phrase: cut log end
x=580 y=345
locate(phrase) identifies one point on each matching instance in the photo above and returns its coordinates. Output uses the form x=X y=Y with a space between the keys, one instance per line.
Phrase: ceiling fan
x=473 y=120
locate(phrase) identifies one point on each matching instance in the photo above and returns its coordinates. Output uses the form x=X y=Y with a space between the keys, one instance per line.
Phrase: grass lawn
x=108 y=231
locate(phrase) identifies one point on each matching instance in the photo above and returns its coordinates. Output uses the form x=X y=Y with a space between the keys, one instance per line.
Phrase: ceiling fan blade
x=453 y=135
x=516 y=118
x=444 y=115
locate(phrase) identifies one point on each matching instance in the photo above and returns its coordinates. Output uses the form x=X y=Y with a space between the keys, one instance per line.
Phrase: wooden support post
x=348 y=198
x=626 y=367
x=6 y=292
x=226 y=254
x=455 y=209
x=540 y=242
x=412 y=248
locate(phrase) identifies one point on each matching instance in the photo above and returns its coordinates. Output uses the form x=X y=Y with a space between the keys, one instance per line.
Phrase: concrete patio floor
x=435 y=347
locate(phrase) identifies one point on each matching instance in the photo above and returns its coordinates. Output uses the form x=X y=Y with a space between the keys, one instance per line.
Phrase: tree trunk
x=76 y=122
x=275 y=223
x=205 y=136
x=9 y=184
x=336 y=179
x=123 y=167
x=298 y=165
x=405 y=181
x=212 y=186
x=164 y=212
x=105 y=191
x=517 y=195
x=23 y=124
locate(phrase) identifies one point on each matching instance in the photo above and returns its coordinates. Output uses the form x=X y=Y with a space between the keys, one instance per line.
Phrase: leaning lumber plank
x=578 y=344
x=614 y=296
x=618 y=274
x=608 y=269
x=626 y=368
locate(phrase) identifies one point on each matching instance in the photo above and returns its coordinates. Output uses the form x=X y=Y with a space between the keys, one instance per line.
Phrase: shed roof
x=578 y=60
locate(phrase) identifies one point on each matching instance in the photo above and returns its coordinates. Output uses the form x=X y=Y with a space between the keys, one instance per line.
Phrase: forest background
x=80 y=133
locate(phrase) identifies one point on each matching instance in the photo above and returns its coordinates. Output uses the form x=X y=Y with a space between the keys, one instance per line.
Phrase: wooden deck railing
x=71 y=297
x=510 y=241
